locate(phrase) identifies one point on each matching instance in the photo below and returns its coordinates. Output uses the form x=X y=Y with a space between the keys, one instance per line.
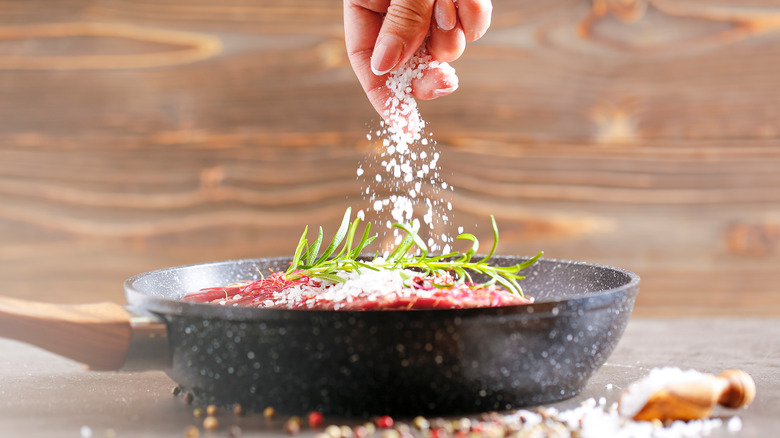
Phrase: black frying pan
x=363 y=363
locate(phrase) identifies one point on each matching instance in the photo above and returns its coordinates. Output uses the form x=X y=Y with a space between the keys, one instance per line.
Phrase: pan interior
x=548 y=281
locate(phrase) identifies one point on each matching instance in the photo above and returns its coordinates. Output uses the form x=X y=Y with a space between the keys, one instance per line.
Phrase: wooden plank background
x=140 y=134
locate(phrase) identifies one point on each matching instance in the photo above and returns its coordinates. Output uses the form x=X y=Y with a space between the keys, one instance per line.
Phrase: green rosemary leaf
x=495 y=241
x=465 y=258
x=298 y=251
x=528 y=262
x=442 y=256
x=508 y=285
x=314 y=249
x=367 y=266
x=401 y=249
x=337 y=238
x=350 y=238
x=333 y=278
x=364 y=241
x=409 y=230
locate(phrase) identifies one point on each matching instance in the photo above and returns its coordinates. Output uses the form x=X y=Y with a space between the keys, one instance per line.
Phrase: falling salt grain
x=405 y=167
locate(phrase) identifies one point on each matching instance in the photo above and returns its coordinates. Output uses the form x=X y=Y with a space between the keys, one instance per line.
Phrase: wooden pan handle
x=97 y=335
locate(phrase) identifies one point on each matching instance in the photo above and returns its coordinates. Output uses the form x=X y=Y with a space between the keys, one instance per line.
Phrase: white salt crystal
x=360 y=171
x=86 y=432
x=734 y=424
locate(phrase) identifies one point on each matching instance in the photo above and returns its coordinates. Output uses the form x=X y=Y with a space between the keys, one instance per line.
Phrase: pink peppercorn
x=315 y=419
x=384 y=422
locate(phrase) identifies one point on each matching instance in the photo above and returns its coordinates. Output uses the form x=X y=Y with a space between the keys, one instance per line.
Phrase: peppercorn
x=238 y=410
x=176 y=390
x=210 y=423
x=188 y=398
x=384 y=422
x=421 y=423
x=315 y=419
x=360 y=431
x=293 y=425
x=235 y=432
x=333 y=431
x=269 y=412
x=191 y=432
x=197 y=412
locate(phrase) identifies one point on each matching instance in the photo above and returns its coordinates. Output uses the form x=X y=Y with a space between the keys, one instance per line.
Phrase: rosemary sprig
x=308 y=262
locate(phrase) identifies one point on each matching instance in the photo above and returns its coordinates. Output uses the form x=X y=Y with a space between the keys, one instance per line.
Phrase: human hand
x=381 y=35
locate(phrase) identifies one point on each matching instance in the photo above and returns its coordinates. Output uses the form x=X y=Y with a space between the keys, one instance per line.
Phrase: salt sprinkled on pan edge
x=404 y=177
x=639 y=392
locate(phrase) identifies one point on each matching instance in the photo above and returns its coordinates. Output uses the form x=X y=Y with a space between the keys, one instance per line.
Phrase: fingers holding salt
x=438 y=80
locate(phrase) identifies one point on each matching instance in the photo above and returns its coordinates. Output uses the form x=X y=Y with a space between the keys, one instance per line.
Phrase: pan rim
x=141 y=301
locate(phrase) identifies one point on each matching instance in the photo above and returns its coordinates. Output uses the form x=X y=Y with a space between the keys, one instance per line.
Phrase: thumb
x=403 y=31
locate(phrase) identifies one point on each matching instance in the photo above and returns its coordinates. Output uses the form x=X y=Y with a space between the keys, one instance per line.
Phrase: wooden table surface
x=46 y=396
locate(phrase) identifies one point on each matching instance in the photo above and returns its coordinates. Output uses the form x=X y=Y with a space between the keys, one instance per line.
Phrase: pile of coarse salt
x=596 y=420
x=632 y=401
x=404 y=177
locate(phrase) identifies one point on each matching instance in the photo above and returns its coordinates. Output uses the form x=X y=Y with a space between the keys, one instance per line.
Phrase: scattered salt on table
x=639 y=392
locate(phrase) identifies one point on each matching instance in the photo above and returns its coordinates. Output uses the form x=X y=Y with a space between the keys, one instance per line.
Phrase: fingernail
x=444 y=91
x=444 y=20
x=387 y=53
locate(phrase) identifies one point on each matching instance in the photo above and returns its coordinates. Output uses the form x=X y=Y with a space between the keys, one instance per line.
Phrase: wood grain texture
x=140 y=134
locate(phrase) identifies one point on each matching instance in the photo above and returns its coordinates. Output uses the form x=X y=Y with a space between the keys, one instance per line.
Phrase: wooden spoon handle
x=739 y=391
x=97 y=335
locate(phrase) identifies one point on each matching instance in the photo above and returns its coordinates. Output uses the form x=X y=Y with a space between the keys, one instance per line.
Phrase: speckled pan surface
x=391 y=362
